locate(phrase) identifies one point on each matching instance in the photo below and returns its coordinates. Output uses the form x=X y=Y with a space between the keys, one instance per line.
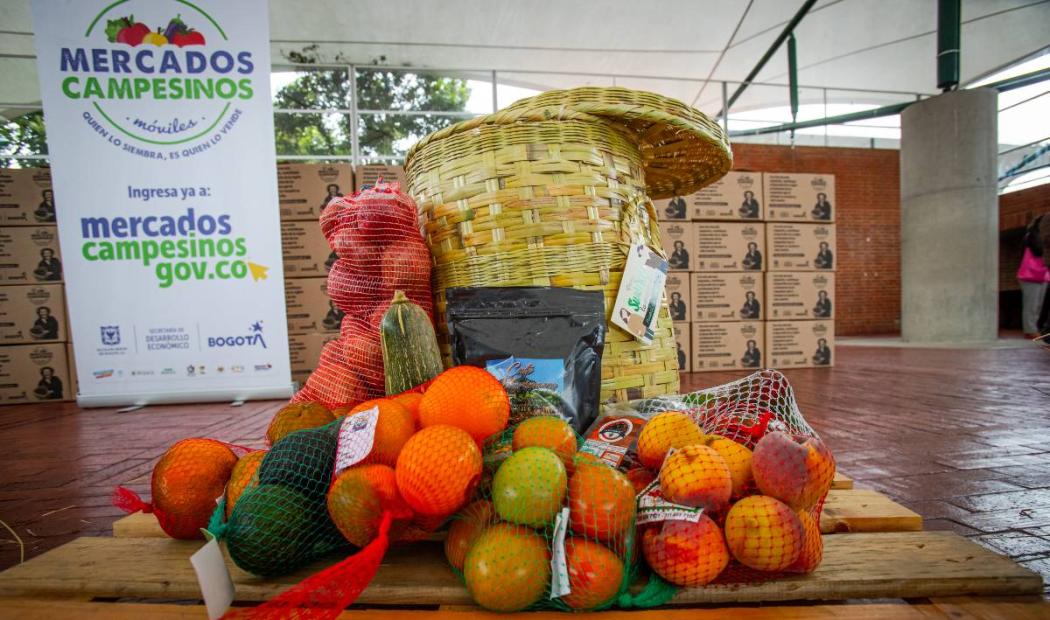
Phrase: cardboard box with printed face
x=677 y=290
x=304 y=351
x=32 y=313
x=800 y=344
x=683 y=334
x=795 y=295
x=800 y=197
x=729 y=296
x=308 y=306
x=368 y=174
x=727 y=346
x=303 y=190
x=679 y=243
x=29 y=255
x=801 y=247
x=675 y=209
x=729 y=246
x=26 y=198
x=33 y=373
x=306 y=252
x=736 y=196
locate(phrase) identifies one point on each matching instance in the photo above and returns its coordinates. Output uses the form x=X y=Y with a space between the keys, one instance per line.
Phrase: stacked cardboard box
x=303 y=192
x=752 y=256
x=33 y=329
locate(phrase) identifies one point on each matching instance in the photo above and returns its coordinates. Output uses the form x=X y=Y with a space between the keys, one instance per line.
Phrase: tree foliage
x=22 y=135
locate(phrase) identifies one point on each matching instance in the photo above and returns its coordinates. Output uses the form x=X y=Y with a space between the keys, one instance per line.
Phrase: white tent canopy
x=669 y=46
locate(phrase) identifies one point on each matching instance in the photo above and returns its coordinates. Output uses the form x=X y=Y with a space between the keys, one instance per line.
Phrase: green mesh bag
x=550 y=528
x=280 y=521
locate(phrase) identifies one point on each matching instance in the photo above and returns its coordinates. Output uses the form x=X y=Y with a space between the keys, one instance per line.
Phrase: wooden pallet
x=849 y=510
x=841 y=481
x=875 y=565
x=955 y=608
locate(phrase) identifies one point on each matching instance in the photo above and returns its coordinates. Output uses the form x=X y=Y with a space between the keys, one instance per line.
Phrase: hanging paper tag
x=356 y=435
x=652 y=507
x=214 y=578
x=640 y=294
x=559 y=567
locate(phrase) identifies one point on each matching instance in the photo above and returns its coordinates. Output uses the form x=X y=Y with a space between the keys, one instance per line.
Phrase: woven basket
x=552 y=191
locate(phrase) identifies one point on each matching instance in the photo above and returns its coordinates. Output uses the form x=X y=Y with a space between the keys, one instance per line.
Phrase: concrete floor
x=962 y=436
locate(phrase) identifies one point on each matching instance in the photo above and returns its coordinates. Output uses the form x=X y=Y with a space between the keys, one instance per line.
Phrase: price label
x=214 y=578
x=559 y=566
x=653 y=508
x=356 y=436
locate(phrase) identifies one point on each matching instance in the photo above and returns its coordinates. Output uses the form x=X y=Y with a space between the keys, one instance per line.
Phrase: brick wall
x=867 y=184
x=1016 y=210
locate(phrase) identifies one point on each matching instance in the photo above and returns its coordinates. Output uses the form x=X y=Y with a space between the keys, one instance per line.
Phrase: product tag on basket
x=214 y=578
x=356 y=435
x=652 y=507
x=559 y=566
x=641 y=291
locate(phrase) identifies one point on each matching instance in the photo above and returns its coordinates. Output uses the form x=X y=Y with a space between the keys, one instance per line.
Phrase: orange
x=295 y=417
x=601 y=502
x=508 y=568
x=595 y=573
x=438 y=469
x=393 y=428
x=357 y=499
x=547 y=432
x=465 y=529
x=410 y=401
x=468 y=398
x=242 y=477
x=185 y=483
x=670 y=429
x=640 y=478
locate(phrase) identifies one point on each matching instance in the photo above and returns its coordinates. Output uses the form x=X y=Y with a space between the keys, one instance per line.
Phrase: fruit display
x=134 y=33
x=375 y=236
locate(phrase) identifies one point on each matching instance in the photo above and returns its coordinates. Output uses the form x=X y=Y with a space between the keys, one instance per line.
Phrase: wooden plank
x=1013 y=608
x=875 y=565
x=850 y=510
x=864 y=510
x=841 y=481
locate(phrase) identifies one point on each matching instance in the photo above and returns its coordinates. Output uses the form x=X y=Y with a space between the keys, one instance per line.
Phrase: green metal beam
x=888 y=110
x=806 y=6
x=949 y=20
x=793 y=77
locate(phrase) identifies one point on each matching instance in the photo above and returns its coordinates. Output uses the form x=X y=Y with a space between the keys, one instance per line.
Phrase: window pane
x=23 y=135
x=386 y=89
x=311 y=134
x=310 y=89
x=385 y=135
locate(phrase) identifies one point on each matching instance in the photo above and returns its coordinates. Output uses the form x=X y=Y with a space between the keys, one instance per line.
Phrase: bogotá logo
x=160 y=80
x=254 y=338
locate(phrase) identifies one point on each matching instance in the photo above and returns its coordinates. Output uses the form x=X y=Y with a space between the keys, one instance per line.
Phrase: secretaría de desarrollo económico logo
x=159 y=80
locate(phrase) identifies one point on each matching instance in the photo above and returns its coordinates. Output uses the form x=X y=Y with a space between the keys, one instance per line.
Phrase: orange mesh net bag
x=187 y=481
x=734 y=480
x=388 y=471
x=375 y=235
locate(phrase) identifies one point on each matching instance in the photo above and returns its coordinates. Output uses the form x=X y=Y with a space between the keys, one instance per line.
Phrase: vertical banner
x=160 y=133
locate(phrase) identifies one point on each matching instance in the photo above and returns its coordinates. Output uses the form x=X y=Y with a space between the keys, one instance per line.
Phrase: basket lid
x=682 y=149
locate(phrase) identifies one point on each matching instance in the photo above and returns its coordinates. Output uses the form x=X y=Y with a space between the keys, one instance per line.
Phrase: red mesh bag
x=734 y=480
x=187 y=482
x=375 y=235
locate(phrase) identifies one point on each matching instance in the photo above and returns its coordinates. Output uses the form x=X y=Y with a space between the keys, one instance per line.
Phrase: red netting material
x=375 y=234
x=740 y=481
x=186 y=482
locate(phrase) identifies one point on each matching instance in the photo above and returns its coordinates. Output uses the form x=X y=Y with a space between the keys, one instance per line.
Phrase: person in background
x=749 y=208
x=45 y=212
x=752 y=356
x=821 y=210
x=751 y=308
x=675 y=209
x=49 y=269
x=46 y=326
x=49 y=387
x=681 y=355
x=823 y=355
x=1033 y=275
x=679 y=257
x=824 y=259
x=677 y=307
x=334 y=318
x=753 y=259
x=822 y=309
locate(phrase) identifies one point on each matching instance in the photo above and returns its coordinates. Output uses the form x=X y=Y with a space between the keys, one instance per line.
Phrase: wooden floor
x=960 y=436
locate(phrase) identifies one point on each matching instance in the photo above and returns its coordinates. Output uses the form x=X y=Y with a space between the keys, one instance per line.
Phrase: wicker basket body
x=547 y=196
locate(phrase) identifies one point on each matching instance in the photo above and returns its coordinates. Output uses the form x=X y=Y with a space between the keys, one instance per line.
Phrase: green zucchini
x=410 y=348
